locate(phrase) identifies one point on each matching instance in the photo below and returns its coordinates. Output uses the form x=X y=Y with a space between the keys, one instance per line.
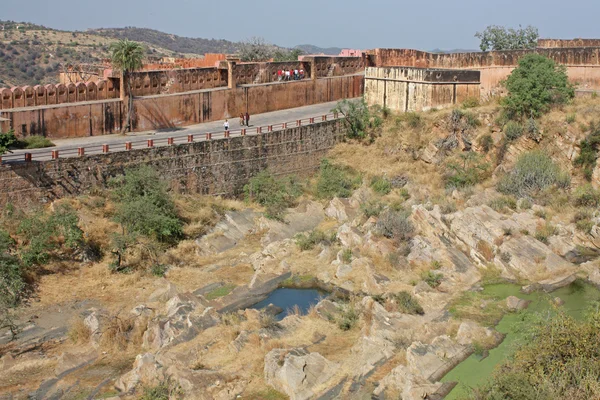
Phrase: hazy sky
x=343 y=23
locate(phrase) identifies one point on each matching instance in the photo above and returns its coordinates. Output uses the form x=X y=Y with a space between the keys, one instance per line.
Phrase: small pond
x=286 y=299
x=475 y=370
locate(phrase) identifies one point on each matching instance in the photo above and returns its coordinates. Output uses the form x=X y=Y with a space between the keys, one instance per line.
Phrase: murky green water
x=474 y=371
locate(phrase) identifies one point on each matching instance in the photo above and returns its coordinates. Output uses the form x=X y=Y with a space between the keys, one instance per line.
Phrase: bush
x=347 y=256
x=395 y=225
x=486 y=142
x=313 y=238
x=543 y=232
x=589 y=151
x=468 y=170
x=470 y=102
x=558 y=359
x=335 y=181
x=535 y=85
x=583 y=221
x=513 y=130
x=501 y=203
x=144 y=205
x=433 y=279
x=381 y=185
x=360 y=121
x=276 y=195
x=408 y=304
x=571 y=118
x=371 y=208
x=347 y=318
x=533 y=172
x=7 y=140
x=533 y=130
x=36 y=142
x=587 y=196
x=412 y=119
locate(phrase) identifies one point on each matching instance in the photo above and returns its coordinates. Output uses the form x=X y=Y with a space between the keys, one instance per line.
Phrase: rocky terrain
x=404 y=261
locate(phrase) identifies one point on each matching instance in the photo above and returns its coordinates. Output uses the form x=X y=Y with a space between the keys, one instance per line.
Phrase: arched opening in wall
x=71 y=93
x=18 y=98
x=40 y=95
x=101 y=90
x=29 y=96
x=51 y=94
x=7 y=98
x=92 y=91
x=62 y=94
x=81 y=91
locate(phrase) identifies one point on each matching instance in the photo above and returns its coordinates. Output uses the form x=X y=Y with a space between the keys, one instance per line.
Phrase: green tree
x=496 y=37
x=287 y=55
x=126 y=56
x=360 y=121
x=535 y=85
x=6 y=140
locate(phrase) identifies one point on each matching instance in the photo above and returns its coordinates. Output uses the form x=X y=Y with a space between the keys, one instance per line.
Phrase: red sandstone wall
x=336 y=66
x=73 y=120
x=148 y=83
x=39 y=95
x=562 y=43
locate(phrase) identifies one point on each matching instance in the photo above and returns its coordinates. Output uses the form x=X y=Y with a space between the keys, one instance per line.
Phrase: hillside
x=311 y=49
x=178 y=44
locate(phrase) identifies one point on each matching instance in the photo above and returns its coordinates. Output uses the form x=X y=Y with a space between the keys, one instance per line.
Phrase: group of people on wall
x=244 y=121
x=290 y=74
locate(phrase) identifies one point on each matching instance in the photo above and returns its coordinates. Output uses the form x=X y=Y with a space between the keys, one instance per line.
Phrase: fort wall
x=417 y=89
x=216 y=167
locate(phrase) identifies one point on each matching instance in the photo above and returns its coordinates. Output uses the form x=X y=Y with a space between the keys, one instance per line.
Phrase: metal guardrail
x=106 y=148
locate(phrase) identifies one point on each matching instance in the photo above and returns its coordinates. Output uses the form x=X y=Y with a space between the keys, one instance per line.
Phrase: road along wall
x=167 y=111
x=212 y=167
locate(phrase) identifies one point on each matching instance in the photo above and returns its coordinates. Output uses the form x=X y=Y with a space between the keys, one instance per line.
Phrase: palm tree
x=126 y=56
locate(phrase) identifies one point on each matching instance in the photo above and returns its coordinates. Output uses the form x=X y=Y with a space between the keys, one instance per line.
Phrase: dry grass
x=118 y=332
x=201 y=213
x=79 y=332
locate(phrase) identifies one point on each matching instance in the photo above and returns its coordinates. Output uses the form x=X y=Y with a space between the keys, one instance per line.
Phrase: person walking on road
x=247 y=119
x=226 y=125
x=242 y=119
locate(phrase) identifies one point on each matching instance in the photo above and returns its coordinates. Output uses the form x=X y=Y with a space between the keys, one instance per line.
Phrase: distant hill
x=33 y=54
x=178 y=44
x=310 y=49
x=453 y=51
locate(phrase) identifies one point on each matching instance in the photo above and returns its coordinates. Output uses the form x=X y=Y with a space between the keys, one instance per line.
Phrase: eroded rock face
x=297 y=372
x=146 y=370
x=411 y=386
x=432 y=361
x=470 y=332
x=186 y=316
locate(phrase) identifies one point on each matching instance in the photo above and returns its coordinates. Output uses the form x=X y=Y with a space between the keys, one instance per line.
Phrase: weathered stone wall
x=336 y=66
x=217 y=167
x=42 y=95
x=173 y=110
x=416 y=89
x=148 y=83
x=583 y=64
x=562 y=43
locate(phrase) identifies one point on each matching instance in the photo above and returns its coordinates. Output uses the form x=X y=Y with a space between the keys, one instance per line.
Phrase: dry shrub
x=274 y=344
x=486 y=250
x=254 y=340
x=312 y=311
x=79 y=332
x=118 y=332
x=202 y=213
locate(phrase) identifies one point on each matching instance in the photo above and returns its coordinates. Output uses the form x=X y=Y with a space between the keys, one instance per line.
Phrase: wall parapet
x=215 y=167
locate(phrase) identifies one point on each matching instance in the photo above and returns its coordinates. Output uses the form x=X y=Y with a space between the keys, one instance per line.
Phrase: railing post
x=170 y=141
x=54 y=154
x=270 y=128
x=243 y=132
x=208 y=136
x=324 y=118
x=312 y=120
x=284 y=125
x=226 y=135
x=190 y=138
x=28 y=157
x=127 y=145
x=150 y=142
x=105 y=148
x=298 y=122
x=81 y=151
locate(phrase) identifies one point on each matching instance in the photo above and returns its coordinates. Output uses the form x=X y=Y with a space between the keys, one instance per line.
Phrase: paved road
x=116 y=142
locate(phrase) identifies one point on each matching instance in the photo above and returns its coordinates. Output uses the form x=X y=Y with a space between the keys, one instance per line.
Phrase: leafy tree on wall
x=535 y=85
x=126 y=56
x=287 y=55
x=6 y=140
x=496 y=37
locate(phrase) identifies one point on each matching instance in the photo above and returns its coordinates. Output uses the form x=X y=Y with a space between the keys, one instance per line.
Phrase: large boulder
x=228 y=232
x=297 y=372
x=146 y=371
x=409 y=385
x=186 y=316
x=432 y=361
x=470 y=332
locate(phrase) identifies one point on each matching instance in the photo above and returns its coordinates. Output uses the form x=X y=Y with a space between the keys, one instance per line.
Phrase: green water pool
x=475 y=370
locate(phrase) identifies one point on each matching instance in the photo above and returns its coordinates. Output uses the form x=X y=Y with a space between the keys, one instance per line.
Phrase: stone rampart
x=215 y=167
x=562 y=43
x=417 y=89
x=174 y=110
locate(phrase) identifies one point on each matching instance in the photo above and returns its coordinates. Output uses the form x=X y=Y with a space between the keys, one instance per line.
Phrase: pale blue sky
x=342 y=23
